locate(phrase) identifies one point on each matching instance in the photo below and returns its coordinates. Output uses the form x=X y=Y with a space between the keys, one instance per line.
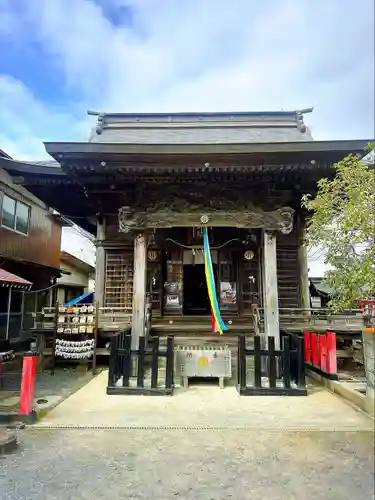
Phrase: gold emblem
x=152 y=255
x=203 y=361
x=249 y=254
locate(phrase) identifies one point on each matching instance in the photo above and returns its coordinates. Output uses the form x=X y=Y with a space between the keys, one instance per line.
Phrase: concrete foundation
x=368 y=338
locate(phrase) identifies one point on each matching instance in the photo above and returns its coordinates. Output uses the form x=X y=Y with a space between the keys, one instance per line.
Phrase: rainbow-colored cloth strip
x=211 y=284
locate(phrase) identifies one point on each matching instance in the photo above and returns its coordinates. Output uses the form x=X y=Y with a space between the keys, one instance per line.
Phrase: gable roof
x=201 y=128
x=68 y=258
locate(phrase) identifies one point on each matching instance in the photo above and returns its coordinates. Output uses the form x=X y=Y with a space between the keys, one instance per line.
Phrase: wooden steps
x=195 y=326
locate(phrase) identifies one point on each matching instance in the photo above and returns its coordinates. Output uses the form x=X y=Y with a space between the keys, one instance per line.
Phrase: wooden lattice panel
x=173 y=296
x=154 y=280
x=119 y=279
x=288 y=275
x=250 y=279
x=228 y=281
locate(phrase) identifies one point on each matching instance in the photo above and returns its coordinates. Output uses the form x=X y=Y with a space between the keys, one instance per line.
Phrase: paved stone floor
x=59 y=386
x=189 y=464
x=205 y=406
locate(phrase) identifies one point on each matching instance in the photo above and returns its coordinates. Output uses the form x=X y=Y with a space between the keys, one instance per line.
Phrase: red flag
x=213 y=323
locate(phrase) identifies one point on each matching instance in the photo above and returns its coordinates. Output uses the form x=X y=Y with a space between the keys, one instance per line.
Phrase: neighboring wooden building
x=148 y=183
x=75 y=281
x=30 y=238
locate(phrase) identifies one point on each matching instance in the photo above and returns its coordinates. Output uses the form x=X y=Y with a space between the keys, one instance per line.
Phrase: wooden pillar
x=100 y=262
x=139 y=288
x=304 y=277
x=270 y=292
x=303 y=269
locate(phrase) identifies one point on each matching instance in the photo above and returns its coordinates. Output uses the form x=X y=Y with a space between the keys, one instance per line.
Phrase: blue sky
x=61 y=57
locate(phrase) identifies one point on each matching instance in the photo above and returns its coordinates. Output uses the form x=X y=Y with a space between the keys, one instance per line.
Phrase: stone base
x=368 y=339
x=370 y=401
x=8 y=442
x=341 y=388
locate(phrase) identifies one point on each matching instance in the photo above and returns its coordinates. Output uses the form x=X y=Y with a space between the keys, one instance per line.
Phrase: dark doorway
x=196 y=300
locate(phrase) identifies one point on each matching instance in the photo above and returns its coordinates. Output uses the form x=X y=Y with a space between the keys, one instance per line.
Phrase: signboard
x=203 y=361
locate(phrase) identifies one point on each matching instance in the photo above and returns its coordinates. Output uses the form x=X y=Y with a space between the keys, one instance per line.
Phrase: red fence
x=367 y=305
x=320 y=353
x=22 y=384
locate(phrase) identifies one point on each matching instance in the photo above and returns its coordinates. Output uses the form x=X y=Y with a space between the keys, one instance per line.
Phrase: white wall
x=76 y=244
x=77 y=277
x=316 y=264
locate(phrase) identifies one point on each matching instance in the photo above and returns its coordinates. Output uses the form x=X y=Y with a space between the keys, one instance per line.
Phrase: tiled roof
x=12 y=279
x=201 y=128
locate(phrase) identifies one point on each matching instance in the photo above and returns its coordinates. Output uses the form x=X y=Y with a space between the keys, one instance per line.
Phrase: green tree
x=342 y=224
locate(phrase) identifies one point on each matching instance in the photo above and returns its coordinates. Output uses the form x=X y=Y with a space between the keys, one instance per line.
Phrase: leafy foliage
x=343 y=226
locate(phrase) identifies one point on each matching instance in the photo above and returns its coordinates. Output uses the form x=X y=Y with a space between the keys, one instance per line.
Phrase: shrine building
x=146 y=185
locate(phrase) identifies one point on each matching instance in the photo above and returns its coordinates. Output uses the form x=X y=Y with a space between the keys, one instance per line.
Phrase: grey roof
x=201 y=128
x=45 y=163
x=49 y=167
x=369 y=159
x=3 y=154
x=107 y=151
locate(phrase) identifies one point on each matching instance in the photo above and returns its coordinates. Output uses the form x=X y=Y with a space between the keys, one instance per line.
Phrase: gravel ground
x=188 y=464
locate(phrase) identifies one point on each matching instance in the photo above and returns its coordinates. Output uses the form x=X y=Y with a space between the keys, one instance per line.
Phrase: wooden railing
x=114 y=318
x=325 y=319
x=110 y=318
x=117 y=318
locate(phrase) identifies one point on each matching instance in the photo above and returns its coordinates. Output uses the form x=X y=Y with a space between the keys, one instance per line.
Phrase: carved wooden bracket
x=278 y=220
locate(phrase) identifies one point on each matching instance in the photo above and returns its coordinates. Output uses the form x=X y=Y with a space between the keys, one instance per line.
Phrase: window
x=15 y=215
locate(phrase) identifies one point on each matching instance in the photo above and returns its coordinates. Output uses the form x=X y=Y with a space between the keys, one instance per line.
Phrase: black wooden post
x=96 y=328
x=169 y=364
x=238 y=361
x=154 y=362
x=127 y=360
x=257 y=363
x=141 y=361
x=301 y=383
x=120 y=355
x=112 y=361
x=271 y=362
x=242 y=362
x=286 y=361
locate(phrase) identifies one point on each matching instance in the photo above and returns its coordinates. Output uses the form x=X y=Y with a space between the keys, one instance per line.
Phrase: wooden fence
x=275 y=372
x=138 y=372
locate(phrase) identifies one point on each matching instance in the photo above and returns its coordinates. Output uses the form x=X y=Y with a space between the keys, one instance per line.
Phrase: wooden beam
x=277 y=220
x=270 y=290
x=139 y=288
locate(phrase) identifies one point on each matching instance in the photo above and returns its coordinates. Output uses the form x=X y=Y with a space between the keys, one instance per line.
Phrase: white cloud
x=187 y=55
x=25 y=122
x=190 y=55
